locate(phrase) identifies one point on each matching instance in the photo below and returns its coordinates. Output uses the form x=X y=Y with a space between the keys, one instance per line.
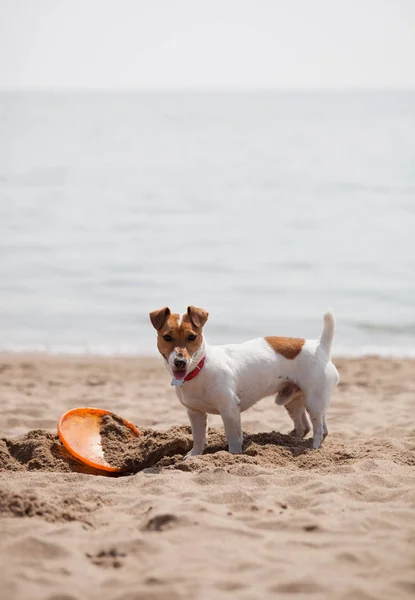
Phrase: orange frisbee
x=79 y=432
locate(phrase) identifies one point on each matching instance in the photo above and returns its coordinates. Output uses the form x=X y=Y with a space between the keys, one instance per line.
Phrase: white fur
x=236 y=376
x=170 y=360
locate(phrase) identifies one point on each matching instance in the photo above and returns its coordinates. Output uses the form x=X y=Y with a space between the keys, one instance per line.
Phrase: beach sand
x=278 y=521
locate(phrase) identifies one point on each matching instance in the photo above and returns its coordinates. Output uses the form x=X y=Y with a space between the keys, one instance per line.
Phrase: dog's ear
x=158 y=317
x=198 y=316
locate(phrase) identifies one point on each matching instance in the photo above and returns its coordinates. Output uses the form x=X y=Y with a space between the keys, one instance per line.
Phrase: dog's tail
x=327 y=335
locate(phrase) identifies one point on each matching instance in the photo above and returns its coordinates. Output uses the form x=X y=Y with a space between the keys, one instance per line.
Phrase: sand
x=280 y=520
x=133 y=454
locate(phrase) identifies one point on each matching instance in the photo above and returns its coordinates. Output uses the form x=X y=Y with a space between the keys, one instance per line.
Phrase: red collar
x=196 y=370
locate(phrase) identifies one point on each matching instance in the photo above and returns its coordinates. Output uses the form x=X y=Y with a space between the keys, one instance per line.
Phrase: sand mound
x=39 y=450
x=134 y=454
x=268 y=450
x=42 y=451
x=275 y=450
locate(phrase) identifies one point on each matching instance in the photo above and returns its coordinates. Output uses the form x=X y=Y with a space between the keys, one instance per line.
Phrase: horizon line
x=203 y=89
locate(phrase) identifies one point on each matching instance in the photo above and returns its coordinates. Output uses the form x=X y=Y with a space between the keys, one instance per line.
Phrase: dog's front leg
x=198 y=421
x=231 y=416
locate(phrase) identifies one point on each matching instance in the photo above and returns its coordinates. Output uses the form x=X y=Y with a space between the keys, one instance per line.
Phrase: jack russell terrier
x=228 y=379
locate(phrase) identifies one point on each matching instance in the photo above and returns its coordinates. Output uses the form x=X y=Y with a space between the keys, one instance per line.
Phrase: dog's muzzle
x=179 y=367
x=180 y=364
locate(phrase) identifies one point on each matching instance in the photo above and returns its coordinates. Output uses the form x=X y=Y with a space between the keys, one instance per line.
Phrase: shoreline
x=145 y=355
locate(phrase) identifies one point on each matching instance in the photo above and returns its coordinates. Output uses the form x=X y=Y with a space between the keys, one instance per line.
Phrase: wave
x=405 y=328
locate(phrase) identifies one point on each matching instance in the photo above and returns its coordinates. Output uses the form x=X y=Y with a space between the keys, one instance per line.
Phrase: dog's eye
x=192 y=337
x=167 y=338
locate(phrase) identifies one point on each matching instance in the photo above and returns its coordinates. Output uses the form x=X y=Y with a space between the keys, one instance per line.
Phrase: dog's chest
x=197 y=400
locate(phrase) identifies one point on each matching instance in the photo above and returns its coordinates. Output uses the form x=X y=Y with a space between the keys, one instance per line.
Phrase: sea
x=264 y=208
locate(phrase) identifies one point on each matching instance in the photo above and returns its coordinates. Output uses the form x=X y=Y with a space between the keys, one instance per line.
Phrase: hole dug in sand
x=158 y=449
x=41 y=450
x=132 y=453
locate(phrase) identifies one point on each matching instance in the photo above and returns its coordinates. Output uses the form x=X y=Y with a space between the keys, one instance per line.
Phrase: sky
x=193 y=44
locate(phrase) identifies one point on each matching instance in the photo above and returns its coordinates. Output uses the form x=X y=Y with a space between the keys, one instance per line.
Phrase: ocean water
x=263 y=208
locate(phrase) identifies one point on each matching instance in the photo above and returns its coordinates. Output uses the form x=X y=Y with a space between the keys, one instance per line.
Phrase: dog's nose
x=179 y=363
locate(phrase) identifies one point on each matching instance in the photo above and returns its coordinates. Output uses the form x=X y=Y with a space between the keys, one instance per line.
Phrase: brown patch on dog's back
x=286 y=346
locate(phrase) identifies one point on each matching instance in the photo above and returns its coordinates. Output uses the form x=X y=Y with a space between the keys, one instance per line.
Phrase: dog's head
x=179 y=338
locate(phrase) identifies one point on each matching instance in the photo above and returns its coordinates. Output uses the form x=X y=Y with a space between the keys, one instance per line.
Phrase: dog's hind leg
x=296 y=410
x=286 y=393
x=316 y=405
x=318 y=432
x=306 y=423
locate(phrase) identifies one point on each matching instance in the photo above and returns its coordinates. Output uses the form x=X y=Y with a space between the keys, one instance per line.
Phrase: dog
x=228 y=379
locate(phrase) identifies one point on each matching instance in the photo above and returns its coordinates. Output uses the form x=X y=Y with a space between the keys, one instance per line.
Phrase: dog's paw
x=192 y=454
x=300 y=434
